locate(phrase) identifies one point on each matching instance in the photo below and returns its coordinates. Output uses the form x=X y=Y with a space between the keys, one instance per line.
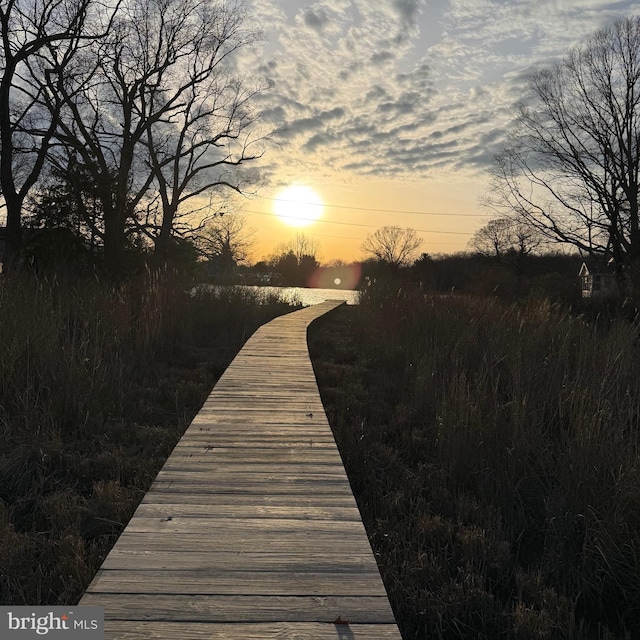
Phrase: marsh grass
x=97 y=384
x=493 y=449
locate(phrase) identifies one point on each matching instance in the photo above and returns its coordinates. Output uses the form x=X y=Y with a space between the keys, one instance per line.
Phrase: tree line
x=123 y=123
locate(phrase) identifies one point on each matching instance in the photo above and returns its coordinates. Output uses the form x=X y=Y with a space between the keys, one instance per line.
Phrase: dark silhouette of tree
x=508 y=242
x=225 y=241
x=503 y=237
x=29 y=32
x=572 y=167
x=286 y=266
x=201 y=147
x=156 y=115
x=59 y=221
x=300 y=245
x=423 y=268
x=66 y=199
x=296 y=261
x=394 y=246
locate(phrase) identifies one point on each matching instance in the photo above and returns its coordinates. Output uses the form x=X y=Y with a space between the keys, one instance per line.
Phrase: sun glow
x=298 y=205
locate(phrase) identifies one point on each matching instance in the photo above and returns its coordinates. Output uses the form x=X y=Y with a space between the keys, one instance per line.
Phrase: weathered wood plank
x=233 y=510
x=222 y=475
x=245 y=526
x=300 y=439
x=247 y=487
x=240 y=542
x=305 y=560
x=251 y=500
x=232 y=582
x=217 y=526
x=234 y=608
x=250 y=530
x=202 y=465
x=261 y=631
x=278 y=419
x=251 y=456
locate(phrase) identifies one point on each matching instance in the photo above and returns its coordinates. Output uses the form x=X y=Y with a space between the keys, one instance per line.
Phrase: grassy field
x=493 y=451
x=97 y=384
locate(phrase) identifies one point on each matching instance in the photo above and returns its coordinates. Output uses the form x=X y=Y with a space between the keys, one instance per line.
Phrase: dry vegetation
x=493 y=450
x=97 y=384
x=492 y=447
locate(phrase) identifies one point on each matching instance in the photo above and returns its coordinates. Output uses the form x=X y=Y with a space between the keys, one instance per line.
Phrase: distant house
x=598 y=280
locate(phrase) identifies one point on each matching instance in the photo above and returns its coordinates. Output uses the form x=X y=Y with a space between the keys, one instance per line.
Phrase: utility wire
x=354 y=224
x=313 y=234
x=342 y=206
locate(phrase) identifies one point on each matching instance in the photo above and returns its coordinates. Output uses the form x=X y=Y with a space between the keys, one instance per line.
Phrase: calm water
x=295 y=295
x=311 y=296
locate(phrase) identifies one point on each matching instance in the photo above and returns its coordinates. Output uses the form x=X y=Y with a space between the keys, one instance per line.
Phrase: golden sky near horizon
x=351 y=212
x=393 y=111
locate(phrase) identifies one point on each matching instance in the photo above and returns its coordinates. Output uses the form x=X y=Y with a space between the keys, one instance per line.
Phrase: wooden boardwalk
x=250 y=530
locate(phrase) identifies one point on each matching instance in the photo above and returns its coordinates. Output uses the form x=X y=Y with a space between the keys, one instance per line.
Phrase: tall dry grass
x=97 y=383
x=494 y=451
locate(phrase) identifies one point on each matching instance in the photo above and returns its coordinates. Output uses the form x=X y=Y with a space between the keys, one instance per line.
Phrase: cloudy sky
x=392 y=109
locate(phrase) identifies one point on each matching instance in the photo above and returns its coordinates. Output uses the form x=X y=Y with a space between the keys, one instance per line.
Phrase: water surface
x=309 y=296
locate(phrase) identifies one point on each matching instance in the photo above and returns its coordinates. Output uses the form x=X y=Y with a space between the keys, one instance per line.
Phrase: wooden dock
x=250 y=530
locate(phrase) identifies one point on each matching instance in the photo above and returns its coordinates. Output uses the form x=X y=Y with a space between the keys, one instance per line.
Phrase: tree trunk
x=162 y=249
x=13 y=201
x=13 y=247
x=114 y=247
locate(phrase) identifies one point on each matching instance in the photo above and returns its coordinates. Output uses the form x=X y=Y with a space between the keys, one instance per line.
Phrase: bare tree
x=572 y=168
x=503 y=237
x=226 y=239
x=200 y=148
x=300 y=246
x=156 y=113
x=30 y=30
x=392 y=245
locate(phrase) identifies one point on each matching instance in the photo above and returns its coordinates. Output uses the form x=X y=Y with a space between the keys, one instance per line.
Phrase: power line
x=342 y=206
x=313 y=234
x=354 y=224
x=322 y=235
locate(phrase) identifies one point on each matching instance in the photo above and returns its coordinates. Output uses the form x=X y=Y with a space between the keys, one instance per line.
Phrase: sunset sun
x=298 y=205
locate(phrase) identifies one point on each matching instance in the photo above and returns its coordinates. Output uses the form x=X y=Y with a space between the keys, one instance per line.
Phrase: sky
x=392 y=110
